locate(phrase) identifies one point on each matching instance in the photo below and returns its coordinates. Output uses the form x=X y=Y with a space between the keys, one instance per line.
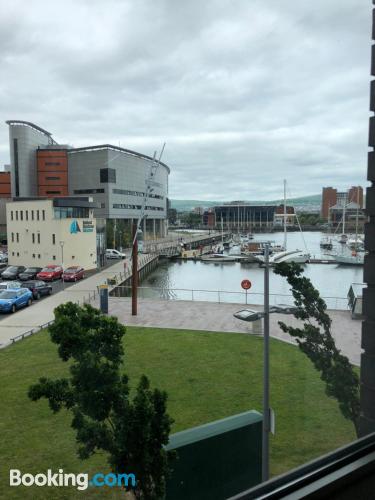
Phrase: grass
x=207 y=376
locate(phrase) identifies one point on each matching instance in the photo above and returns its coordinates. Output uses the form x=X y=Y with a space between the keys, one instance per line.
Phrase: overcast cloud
x=244 y=93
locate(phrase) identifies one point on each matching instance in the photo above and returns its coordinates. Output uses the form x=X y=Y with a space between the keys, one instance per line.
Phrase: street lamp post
x=62 y=243
x=266 y=367
x=135 y=270
x=251 y=315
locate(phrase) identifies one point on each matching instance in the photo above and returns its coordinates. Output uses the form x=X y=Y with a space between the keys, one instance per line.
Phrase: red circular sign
x=246 y=284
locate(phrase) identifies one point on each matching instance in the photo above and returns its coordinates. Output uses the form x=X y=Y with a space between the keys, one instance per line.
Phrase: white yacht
x=297 y=256
x=357 y=256
x=286 y=255
x=353 y=259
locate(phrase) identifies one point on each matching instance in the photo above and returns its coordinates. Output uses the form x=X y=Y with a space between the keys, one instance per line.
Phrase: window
x=33 y=255
x=13 y=254
x=12 y=237
x=27 y=214
x=71 y=212
x=38 y=255
x=44 y=214
x=88 y=191
x=37 y=215
x=38 y=237
x=53 y=192
x=16 y=214
x=53 y=257
x=32 y=214
x=127 y=206
x=18 y=254
x=18 y=237
x=11 y=215
x=52 y=163
x=53 y=178
x=33 y=237
x=16 y=169
x=136 y=193
x=21 y=214
x=53 y=239
x=107 y=175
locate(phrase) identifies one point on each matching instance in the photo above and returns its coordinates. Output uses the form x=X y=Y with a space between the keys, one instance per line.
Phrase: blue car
x=11 y=300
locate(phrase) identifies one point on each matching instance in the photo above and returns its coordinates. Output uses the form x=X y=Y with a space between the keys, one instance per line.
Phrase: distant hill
x=312 y=202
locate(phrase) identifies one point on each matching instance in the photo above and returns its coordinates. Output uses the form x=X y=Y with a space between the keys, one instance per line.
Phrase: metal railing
x=220 y=296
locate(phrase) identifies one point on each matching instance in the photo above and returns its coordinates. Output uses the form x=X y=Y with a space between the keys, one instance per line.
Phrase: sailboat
x=356 y=257
x=297 y=256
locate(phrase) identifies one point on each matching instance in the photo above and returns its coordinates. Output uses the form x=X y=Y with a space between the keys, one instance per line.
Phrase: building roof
x=115 y=148
x=28 y=124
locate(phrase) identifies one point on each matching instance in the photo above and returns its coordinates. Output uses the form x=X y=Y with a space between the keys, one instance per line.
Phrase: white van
x=111 y=253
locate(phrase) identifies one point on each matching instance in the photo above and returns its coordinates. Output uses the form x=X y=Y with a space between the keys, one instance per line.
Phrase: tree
x=316 y=341
x=133 y=431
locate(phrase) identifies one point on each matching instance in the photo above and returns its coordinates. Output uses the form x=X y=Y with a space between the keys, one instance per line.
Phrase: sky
x=244 y=93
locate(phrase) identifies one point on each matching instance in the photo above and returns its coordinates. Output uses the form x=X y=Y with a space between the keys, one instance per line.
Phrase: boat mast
x=343 y=217
x=356 y=220
x=222 y=230
x=285 y=238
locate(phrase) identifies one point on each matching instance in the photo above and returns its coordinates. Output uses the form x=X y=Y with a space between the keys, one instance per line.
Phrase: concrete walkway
x=41 y=312
x=219 y=318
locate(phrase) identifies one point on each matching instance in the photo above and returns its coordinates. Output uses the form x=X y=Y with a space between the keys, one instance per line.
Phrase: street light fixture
x=251 y=315
x=62 y=243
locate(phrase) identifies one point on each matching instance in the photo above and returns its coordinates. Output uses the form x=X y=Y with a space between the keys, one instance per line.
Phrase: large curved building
x=116 y=178
x=24 y=139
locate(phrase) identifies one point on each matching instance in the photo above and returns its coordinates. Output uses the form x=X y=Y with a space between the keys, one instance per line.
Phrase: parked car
x=6 y=285
x=11 y=300
x=38 y=288
x=73 y=273
x=12 y=272
x=50 y=273
x=3 y=257
x=29 y=273
x=111 y=253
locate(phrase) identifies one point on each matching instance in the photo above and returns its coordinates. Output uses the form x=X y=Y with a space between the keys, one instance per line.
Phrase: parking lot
x=57 y=285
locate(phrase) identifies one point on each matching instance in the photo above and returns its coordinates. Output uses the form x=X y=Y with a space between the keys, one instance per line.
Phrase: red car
x=73 y=273
x=50 y=273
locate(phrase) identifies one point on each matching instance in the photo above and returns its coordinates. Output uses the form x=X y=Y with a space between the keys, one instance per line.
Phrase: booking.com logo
x=80 y=481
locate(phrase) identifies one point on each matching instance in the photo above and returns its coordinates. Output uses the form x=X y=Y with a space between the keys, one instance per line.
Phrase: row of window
x=35 y=214
x=52 y=163
x=135 y=207
x=72 y=213
x=160 y=209
x=136 y=193
x=34 y=255
x=88 y=191
x=16 y=236
x=125 y=205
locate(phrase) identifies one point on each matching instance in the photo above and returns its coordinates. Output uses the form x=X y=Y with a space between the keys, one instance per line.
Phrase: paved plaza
x=217 y=317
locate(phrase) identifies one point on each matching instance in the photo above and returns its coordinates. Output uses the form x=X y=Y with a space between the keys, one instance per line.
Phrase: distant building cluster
x=339 y=204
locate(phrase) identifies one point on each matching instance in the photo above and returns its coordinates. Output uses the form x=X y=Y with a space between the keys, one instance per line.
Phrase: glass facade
x=71 y=212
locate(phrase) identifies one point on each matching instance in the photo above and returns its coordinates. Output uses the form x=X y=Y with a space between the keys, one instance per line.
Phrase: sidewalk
x=41 y=312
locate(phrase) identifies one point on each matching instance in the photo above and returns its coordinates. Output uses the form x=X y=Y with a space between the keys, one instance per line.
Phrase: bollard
x=103 y=298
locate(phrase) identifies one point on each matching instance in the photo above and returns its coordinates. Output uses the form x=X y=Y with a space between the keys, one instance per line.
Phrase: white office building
x=61 y=231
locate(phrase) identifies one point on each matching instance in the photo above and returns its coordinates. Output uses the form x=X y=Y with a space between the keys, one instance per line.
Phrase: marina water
x=196 y=280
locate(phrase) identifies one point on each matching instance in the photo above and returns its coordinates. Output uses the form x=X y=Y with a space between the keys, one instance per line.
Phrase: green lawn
x=207 y=376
